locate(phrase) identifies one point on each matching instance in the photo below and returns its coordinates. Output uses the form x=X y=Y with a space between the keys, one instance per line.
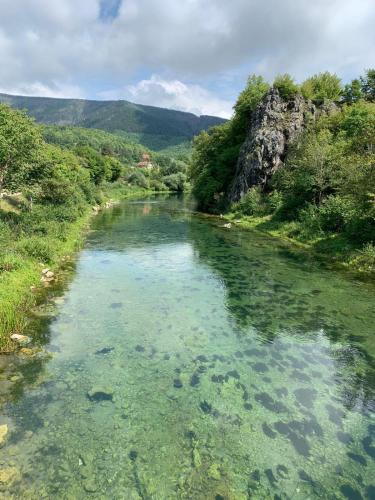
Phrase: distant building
x=145 y=161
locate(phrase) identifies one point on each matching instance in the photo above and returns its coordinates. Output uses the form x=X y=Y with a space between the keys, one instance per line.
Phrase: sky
x=191 y=55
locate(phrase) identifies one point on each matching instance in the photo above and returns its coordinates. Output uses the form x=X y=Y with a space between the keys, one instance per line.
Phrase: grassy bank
x=332 y=248
x=31 y=241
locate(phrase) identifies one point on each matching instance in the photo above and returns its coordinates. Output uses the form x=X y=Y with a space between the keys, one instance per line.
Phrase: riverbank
x=334 y=249
x=46 y=244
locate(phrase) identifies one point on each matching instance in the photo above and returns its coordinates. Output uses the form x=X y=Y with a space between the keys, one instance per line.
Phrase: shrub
x=157 y=185
x=56 y=191
x=365 y=259
x=336 y=212
x=252 y=203
x=137 y=178
x=275 y=201
x=322 y=86
x=310 y=222
x=286 y=86
x=175 y=182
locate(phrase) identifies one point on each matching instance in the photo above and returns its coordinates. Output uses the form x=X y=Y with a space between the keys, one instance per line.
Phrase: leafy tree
x=322 y=86
x=286 y=86
x=358 y=124
x=175 y=182
x=213 y=164
x=308 y=175
x=248 y=100
x=20 y=146
x=368 y=85
x=137 y=178
x=352 y=92
x=97 y=164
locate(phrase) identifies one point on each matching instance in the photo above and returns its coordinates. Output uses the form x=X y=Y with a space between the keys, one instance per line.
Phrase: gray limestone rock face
x=273 y=126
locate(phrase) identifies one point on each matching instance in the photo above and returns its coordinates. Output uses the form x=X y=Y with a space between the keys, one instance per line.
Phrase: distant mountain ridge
x=149 y=124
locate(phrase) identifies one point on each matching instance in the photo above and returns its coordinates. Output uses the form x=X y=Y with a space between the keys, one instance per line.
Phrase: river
x=189 y=361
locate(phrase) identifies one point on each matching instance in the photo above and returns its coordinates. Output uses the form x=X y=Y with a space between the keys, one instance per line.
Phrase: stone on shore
x=21 y=339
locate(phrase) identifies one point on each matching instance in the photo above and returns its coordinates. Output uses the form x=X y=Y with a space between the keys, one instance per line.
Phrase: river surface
x=188 y=361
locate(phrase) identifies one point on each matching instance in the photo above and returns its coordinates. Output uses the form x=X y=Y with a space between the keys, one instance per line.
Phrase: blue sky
x=193 y=55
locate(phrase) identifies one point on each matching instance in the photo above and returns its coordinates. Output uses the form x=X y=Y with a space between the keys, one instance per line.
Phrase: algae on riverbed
x=192 y=362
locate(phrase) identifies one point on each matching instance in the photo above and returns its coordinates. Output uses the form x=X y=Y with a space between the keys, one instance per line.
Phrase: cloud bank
x=95 y=47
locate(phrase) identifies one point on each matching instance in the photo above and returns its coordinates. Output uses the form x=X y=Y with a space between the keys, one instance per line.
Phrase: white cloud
x=173 y=94
x=62 y=43
x=41 y=90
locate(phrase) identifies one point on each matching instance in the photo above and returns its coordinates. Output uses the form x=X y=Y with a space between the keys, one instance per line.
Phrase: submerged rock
x=26 y=351
x=97 y=394
x=90 y=486
x=105 y=350
x=177 y=383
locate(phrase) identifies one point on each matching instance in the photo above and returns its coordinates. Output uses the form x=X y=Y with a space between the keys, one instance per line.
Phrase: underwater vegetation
x=188 y=362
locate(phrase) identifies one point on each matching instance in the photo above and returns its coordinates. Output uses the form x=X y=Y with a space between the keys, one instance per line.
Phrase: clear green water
x=193 y=362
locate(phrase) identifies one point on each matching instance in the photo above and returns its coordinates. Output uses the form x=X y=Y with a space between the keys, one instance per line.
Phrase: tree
x=286 y=86
x=248 y=100
x=213 y=164
x=175 y=182
x=352 y=92
x=358 y=123
x=368 y=85
x=322 y=86
x=20 y=144
x=308 y=175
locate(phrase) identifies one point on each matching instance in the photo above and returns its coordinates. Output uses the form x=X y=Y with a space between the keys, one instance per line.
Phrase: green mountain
x=156 y=128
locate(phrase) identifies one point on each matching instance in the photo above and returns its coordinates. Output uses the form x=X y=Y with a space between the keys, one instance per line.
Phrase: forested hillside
x=297 y=161
x=156 y=128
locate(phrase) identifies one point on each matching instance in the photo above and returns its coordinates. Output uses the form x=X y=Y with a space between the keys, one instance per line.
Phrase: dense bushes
x=321 y=87
x=286 y=86
x=20 y=148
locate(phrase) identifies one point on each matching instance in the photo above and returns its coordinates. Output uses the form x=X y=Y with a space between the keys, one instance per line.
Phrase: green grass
x=332 y=248
x=23 y=256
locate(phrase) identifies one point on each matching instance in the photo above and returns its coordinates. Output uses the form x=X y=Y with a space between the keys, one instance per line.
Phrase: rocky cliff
x=273 y=126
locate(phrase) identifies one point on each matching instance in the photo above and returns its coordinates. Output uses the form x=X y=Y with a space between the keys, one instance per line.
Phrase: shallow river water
x=193 y=362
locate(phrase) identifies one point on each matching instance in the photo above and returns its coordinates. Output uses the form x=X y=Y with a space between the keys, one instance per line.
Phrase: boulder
x=99 y=393
x=27 y=351
x=21 y=339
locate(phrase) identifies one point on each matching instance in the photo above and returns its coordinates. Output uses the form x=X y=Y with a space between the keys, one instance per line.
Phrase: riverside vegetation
x=297 y=161
x=49 y=180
